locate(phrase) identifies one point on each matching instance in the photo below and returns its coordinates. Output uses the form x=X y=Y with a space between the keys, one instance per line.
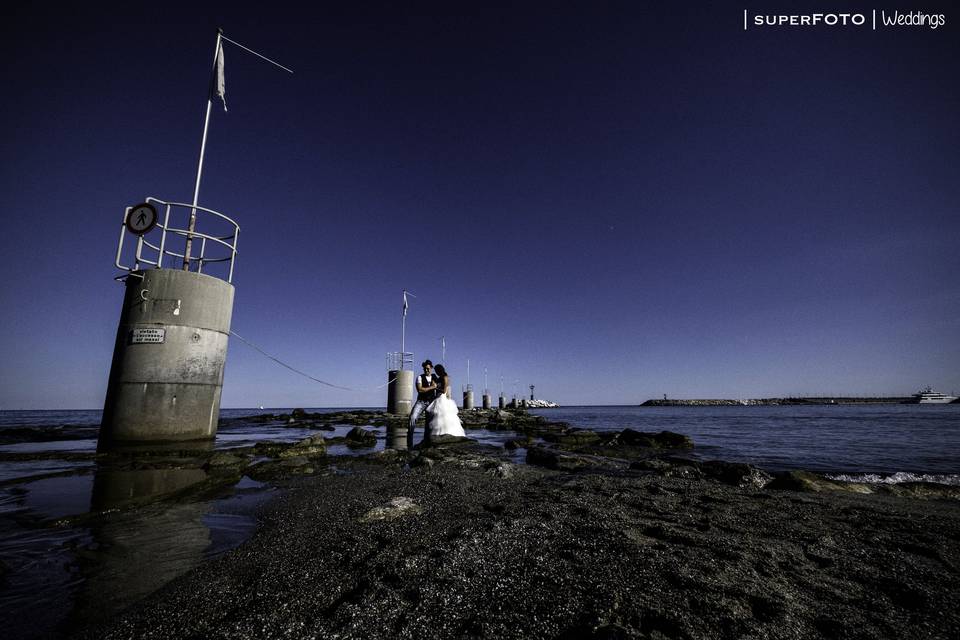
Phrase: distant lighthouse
x=531 y=392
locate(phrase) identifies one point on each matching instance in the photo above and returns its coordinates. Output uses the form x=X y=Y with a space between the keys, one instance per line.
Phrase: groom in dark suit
x=427 y=385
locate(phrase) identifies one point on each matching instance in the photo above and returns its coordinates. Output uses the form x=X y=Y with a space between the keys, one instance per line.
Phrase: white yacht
x=929 y=396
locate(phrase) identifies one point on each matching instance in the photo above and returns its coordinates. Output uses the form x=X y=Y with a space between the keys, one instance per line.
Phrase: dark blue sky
x=609 y=201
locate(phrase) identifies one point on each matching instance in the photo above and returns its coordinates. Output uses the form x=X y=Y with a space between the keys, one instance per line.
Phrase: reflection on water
x=113 y=489
x=140 y=472
x=399 y=438
x=119 y=543
x=58 y=497
x=134 y=554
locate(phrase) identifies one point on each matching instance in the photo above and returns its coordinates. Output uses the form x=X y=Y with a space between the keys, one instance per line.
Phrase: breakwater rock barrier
x=719 y=402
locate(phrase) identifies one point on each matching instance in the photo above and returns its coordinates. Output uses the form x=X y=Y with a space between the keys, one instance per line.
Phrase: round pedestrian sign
x=141 y=219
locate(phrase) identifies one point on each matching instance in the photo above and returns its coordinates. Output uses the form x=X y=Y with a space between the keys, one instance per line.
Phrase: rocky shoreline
x=600 y=535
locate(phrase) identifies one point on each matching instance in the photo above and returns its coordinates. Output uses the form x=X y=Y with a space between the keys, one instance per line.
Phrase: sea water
x=862 y=442
x=887 y=442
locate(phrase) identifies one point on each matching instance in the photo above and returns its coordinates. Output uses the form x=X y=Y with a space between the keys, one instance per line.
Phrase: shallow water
x=60 y=577
x=62 y=574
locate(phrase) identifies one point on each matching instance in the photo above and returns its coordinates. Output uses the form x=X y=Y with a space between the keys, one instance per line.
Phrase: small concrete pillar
x=501 y=402
x=400 y=392
x=486 y=401
x=168 y=359
x=468 y=399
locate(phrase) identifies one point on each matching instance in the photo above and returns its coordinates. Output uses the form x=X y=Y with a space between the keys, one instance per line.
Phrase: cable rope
x=306 y=375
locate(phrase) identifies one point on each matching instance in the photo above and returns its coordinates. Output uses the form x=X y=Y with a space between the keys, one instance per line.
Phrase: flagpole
x=203 y=148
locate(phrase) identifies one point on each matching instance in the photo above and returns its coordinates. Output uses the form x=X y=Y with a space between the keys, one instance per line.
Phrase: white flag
x=221 y=84
x=405 y=305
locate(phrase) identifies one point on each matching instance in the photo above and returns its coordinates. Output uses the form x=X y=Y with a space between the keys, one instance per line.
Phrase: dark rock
x=576 y=437
x=553 y=459
x=541 y=457
x=398 y=507
x=298 y=413
x=439 y=441
x=312 y=446
x=928 y=490
x=680 y=460
x=422 y=461
x=518 y=443
x=651 y=464
x=390 y=456
x=358 y=437
x=668 y=469
x=736 y=474
x=661 y=440
x=813 y=482
x=258 y=419
x=223 y=459
x=502 y=470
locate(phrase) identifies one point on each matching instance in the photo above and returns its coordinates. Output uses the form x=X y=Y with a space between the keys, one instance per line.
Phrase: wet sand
x=456 y=541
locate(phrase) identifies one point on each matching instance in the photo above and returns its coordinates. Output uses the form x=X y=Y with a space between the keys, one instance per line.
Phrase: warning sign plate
x=147 y=336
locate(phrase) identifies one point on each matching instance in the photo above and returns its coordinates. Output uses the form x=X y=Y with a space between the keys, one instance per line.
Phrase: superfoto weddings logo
x=873 y=20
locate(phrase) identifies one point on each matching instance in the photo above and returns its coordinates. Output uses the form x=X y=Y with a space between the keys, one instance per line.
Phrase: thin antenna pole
x=443 y=350
x=468 y=371
x=203 y=142
x=203 y=148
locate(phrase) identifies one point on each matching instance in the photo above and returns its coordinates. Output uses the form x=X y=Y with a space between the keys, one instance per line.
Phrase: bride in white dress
x=445 y=420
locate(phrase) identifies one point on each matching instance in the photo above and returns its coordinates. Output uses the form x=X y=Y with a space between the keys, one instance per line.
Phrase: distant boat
x=929 y=396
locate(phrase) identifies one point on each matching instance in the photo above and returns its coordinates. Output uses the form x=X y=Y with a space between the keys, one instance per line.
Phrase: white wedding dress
x=445 y=420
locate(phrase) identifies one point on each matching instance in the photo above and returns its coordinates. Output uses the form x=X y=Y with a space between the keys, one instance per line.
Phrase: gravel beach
x=456 y=541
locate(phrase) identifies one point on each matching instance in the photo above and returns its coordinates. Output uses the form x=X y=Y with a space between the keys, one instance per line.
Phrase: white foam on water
x=896 y=478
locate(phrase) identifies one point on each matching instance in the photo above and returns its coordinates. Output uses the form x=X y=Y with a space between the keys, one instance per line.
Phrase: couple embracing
x=433 y=396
